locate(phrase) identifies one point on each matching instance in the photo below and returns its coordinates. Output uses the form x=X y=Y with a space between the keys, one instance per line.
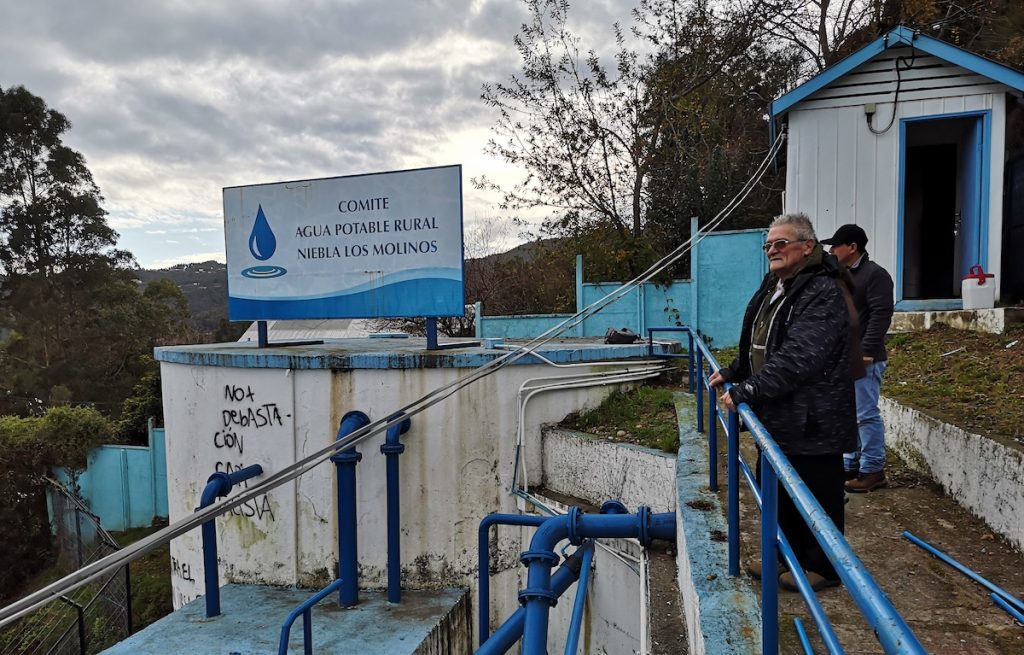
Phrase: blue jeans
x=870 y=457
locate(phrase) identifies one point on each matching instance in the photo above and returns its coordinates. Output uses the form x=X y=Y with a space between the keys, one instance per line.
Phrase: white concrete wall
x=983 y=474
x=838 y=172
x=582 y=466
x=456 y=469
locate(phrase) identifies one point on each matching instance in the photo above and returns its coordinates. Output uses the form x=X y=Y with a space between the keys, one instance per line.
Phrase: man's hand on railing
x=717 y=381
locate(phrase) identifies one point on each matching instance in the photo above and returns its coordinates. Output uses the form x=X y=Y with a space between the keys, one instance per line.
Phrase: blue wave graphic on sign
x=406 y=298
x=376 y=284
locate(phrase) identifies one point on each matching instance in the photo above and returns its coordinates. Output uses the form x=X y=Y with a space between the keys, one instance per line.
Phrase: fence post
x=712 y=441
x=733 y=483
x=700 y=389
x=769 y=558
x=128 y=597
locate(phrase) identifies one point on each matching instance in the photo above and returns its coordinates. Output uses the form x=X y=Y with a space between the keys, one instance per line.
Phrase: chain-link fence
x=90 y=618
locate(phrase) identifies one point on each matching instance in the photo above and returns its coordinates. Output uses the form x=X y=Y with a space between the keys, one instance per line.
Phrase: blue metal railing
x=306 y=610
x=892 y=631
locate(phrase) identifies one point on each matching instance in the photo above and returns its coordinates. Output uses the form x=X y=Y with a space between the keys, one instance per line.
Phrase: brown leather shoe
x=866 y=482
x=816 y=580
x=753 y=568
x=852 y=474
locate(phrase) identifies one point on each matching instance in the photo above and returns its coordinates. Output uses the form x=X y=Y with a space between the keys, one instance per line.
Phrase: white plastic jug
x=976 y=289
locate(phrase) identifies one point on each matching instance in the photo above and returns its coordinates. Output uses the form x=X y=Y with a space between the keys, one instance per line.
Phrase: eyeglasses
x=778 y=244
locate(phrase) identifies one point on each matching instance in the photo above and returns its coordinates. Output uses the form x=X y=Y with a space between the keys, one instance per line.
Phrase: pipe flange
x=573 y=524
x=613 y=507
x=541 y=556
x=533 y=593
x=223 y=481
x=392 y=448
x=350 y=456
x=643 y=515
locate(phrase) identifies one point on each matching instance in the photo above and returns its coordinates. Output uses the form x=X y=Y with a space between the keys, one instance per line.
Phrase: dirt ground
x=948 y=612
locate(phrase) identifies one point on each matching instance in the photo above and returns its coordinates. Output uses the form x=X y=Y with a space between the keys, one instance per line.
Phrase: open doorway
x=943 y=198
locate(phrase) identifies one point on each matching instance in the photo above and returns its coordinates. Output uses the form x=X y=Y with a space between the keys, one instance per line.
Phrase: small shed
x=921 y=143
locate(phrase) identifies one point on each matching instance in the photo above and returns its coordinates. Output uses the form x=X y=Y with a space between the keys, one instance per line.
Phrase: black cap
x=848 y=233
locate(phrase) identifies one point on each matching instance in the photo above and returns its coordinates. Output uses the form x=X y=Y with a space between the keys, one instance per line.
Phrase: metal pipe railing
x=217 y=486
x=304 y=609
x=892 y=631
x=392 y=448
x=484 y=569
x=572 y=641
x=345 y=463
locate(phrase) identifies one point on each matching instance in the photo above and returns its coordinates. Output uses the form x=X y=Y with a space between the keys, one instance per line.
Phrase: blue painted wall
x=726 y=268
x=125 y=486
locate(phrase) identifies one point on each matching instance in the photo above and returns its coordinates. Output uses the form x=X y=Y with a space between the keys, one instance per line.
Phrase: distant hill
x=205 y=284
x=205 y=287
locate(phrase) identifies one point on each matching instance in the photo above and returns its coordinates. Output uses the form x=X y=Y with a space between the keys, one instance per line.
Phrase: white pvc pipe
x=603 y=378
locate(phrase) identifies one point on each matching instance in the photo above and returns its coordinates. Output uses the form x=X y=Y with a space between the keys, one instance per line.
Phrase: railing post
x=689 y=360
x=307 y=632
x=769 y=558
x=733 y=482
x=712 y=441
x=700 y=390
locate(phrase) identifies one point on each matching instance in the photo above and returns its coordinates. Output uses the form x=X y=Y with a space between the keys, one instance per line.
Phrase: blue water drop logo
x=262 y=242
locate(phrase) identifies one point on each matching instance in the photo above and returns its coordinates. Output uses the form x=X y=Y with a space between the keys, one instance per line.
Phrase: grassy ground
x=645 y=416
x=972 y=380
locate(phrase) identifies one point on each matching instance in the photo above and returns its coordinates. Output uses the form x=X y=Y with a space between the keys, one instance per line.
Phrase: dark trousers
x=824 y=476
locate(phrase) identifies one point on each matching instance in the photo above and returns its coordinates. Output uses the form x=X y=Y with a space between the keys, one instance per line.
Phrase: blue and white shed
x=921 y=143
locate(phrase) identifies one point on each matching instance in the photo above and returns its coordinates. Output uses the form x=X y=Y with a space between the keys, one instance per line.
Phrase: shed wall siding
x=839 y=172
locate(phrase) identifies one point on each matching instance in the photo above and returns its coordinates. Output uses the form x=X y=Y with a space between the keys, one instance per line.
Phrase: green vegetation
x=969 y=379
x=645 y=416
x=151 y=579
x=61 y=437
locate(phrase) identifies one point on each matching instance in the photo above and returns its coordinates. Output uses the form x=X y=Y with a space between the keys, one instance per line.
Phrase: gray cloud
x=172 y=101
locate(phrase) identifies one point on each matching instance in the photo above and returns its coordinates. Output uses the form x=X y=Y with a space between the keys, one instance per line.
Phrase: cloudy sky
x=171 y=101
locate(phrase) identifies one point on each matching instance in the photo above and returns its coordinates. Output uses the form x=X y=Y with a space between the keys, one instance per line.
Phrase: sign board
x=361 y=246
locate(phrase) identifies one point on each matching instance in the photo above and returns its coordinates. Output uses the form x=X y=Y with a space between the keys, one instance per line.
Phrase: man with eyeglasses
x=796 y=369
x=873 y=298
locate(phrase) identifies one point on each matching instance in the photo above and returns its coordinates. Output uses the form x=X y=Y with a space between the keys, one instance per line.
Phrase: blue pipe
x=573 y=639
x=348 y=555
x=733 y=491
x=769 y=557
x=712 y=438
x=392 y=448
x=800 y=632
x=1007 y=596
x=217 y=486
x=511 y=631
x=1001 y=602
x=307 y=620
x=576 y=526
x=483 y=556
x=699 y=371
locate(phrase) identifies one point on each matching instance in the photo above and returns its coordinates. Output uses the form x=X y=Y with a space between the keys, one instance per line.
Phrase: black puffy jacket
x=804 y=393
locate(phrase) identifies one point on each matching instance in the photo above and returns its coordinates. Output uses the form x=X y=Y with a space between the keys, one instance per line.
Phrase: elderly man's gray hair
x=800 y=222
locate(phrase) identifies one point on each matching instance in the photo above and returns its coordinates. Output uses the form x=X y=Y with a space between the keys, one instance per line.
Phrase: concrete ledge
x=424 y=623
x=722 y=614
x=993 y=321
x=983 y=474
x=583 y=466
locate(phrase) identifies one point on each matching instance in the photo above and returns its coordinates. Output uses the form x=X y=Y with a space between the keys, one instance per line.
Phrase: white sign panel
x=362 y=246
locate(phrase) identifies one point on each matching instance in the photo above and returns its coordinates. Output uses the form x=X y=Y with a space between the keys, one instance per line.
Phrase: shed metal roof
x=900 y=36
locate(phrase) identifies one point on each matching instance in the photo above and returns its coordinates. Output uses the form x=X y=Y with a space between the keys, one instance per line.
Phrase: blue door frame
x=975 y=219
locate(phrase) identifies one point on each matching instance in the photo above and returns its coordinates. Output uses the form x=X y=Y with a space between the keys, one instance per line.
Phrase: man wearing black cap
x=873 y=298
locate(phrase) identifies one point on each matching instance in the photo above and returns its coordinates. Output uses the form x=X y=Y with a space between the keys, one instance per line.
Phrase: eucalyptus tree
x=74 y=319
